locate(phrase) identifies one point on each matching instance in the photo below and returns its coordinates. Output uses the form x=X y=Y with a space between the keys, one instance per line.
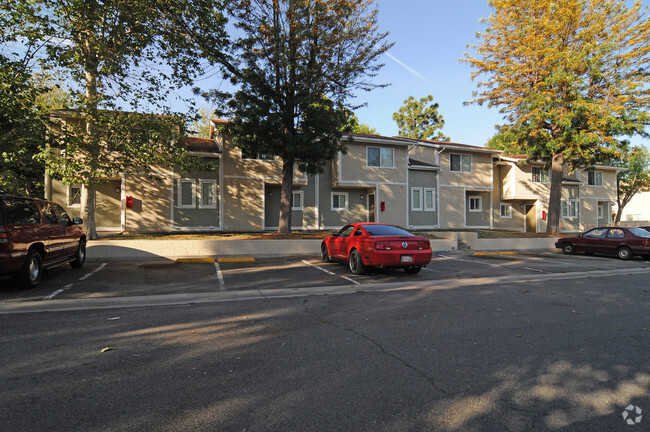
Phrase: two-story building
x=413 y=183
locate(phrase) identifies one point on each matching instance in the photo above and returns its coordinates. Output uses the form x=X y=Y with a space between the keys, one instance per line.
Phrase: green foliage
x=571 y=77
x=634 y=179
x=359 y=128
x=420 y=119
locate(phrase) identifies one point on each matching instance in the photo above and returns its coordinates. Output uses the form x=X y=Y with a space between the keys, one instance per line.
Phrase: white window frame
x=595 y=175
x=301 y=194
x=70 y=203
x=570 y=209
x=214 y=194
x=507 y=214
x=347 y=201
x=476 y=209
x=258 y=156
x=601 y=211
x=180 y=193
x=461 y=155
x=381 y=149
x=420 y=203
x=432 y=207
x=544 y=175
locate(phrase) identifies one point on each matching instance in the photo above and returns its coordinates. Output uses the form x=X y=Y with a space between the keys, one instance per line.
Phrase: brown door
x=371 y=207
x=531 y=218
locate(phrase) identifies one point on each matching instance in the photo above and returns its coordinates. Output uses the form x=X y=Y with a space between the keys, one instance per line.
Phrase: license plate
x=406 y=258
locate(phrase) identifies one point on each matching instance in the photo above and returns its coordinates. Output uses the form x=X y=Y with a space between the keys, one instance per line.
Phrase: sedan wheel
x=356 y=264
x=568 y=248
x=624 y=253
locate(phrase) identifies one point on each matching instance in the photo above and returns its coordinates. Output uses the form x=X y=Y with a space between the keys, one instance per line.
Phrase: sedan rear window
x=385 y=230
x=640 y=232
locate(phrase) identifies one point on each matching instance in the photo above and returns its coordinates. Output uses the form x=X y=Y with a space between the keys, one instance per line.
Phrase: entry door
x=531 y=218
x=371 y=208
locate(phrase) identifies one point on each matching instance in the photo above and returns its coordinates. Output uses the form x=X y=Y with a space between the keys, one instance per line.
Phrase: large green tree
x=120 y=55
x=297 y=64
x=419 y=119
x=570 y=77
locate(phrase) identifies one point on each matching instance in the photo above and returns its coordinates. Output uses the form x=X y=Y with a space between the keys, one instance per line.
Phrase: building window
x=429 y=199
x=601 y=211
x=540 y=175
x=381 y=157
x=506 y=211
x=74 y=195
x=186 y=196
x=339 y=201
x=475 y=204
x=257 y=156
x=460 y=163
x=208 y=190
x=296 y=200
x=416 y=199
x=570 y=209
x=595 y=178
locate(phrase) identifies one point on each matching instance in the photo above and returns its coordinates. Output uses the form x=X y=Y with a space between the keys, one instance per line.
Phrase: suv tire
x=30 y=274
x=80 y=255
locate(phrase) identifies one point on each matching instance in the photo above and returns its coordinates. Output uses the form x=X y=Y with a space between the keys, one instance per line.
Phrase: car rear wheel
x=356 y=264
x=324 y=254
x=568 y=248
x=80 y=255
x=30 y=274
x=624 y=253
x=412 y=269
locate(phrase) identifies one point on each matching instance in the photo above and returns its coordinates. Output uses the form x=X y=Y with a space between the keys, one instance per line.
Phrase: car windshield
x=385 y=230
x=640 y=232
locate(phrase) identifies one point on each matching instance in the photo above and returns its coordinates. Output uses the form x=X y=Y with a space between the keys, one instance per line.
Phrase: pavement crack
x=384 y=351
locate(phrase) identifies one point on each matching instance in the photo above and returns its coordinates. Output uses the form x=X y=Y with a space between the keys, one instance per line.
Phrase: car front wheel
x=30 y=273
x=324 y=254
x=624 y=253
x=356 y=264
x=568 y=248
x=80 y=255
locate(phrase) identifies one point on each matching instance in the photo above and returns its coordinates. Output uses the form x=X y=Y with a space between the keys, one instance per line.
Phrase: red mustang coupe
x=366 y=245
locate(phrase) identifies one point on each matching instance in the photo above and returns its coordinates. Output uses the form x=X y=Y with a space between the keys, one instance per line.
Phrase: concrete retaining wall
x=171 y=249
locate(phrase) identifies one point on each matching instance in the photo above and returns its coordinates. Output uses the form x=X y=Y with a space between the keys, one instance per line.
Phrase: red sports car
x=366 y=245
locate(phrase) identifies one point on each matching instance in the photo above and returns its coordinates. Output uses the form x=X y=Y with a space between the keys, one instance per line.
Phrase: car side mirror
x=77 y=221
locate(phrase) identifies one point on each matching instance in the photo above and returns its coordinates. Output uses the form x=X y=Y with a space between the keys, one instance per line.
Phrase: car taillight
x=424 y=244
x=382 y=245
x=4 y=238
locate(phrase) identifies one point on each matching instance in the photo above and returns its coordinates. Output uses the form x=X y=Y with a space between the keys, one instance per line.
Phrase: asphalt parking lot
x=105 y=279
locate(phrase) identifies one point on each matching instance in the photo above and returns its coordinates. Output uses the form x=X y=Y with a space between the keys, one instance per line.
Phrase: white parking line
x=330 y=273
x=534 y=269
x=472 y=261
x=67 y=287
x=222 y=285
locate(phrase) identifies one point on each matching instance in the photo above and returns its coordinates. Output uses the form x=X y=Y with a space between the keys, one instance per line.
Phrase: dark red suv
x=37 y=234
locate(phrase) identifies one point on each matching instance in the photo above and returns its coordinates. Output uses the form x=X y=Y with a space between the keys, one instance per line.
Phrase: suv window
x=48 y=213
x=19 y=211
x=64 y=219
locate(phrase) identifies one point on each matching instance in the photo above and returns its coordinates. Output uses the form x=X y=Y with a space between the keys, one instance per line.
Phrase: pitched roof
x=202 y=145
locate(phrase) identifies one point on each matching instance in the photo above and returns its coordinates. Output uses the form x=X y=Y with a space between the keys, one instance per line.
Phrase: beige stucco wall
x=395 y=197
x=481 y=175
x=605 y=192
x=452 y=207
x=243 y=204
x=352 y=168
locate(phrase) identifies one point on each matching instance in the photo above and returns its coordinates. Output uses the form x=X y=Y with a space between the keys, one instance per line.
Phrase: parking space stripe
x=330 y=273
x=222 y=285
x=93 y=272
x=67 y=287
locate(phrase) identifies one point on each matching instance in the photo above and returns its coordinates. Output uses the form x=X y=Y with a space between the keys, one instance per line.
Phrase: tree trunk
x=91 y=71
x=88 y=195
x=555 y=195
x=284 y=227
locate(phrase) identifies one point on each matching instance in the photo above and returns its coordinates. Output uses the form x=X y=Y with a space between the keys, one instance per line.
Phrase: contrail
x=408 y=68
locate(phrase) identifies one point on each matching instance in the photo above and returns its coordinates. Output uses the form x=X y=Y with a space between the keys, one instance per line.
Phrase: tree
x=102 y=46
x=635 y=178
x=570 y=77
x=298 y=63
x=359 y=128
x=420 y=119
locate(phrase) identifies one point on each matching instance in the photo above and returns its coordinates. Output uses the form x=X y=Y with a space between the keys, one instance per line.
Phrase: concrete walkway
x=465 y=242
